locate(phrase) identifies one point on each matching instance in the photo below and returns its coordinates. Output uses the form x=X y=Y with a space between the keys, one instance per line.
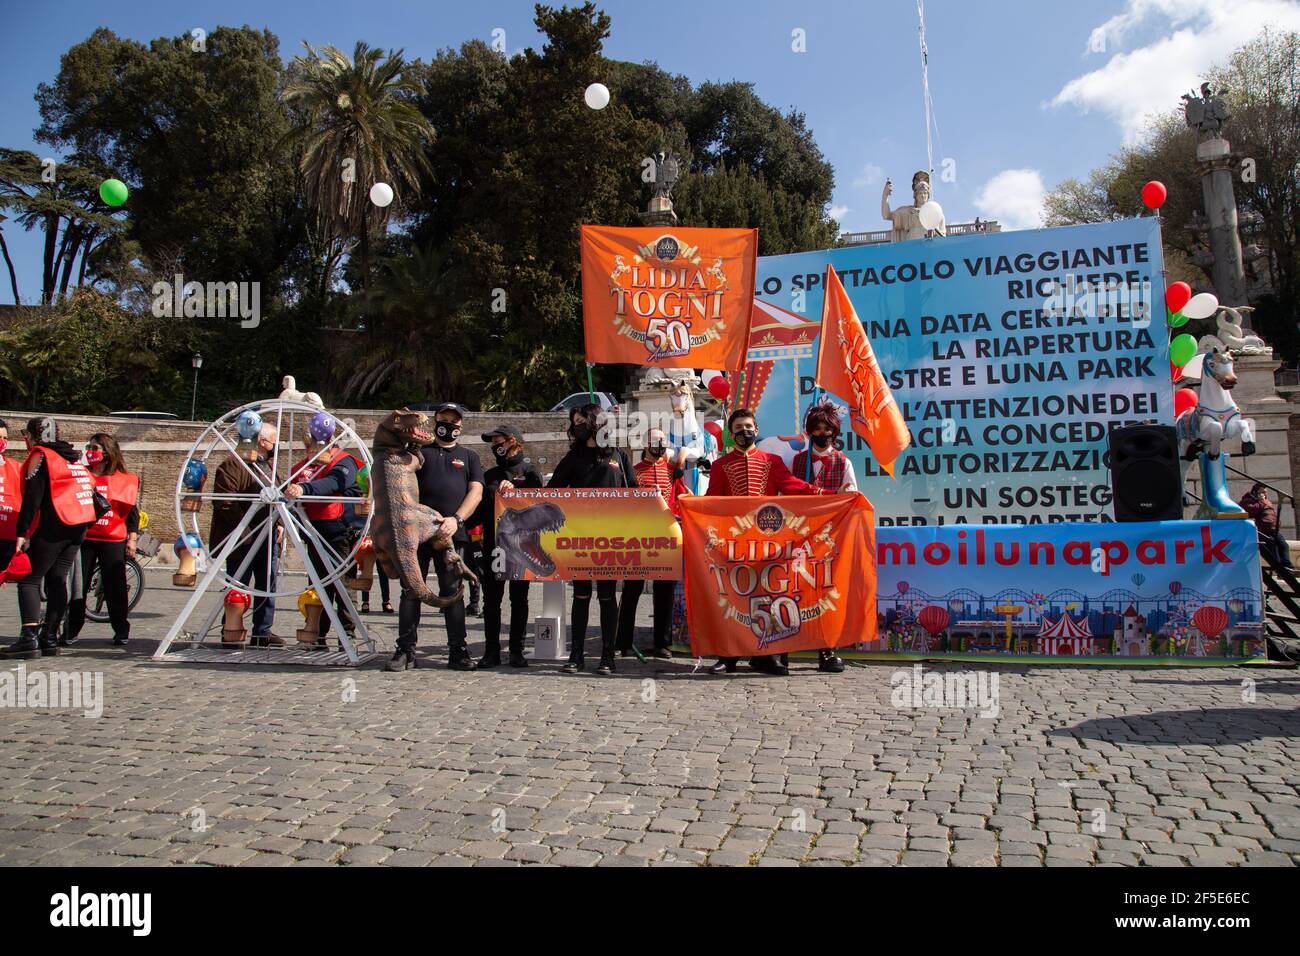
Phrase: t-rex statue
x=400 y=523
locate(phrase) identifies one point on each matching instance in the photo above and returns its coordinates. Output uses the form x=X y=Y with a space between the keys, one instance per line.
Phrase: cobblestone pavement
x=270 y=766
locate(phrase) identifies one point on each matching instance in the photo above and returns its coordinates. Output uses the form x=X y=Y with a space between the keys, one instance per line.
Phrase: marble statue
x=907 y=219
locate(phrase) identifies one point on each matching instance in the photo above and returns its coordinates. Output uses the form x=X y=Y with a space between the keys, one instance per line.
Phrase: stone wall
x=157 y=450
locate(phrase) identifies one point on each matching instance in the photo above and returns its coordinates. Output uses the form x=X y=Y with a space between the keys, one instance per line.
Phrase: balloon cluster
x=1182 y=306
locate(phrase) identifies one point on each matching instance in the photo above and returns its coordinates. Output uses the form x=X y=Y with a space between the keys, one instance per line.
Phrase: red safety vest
x=324 y=510
x=122 y=489
x=72 y=488
x=11 y=497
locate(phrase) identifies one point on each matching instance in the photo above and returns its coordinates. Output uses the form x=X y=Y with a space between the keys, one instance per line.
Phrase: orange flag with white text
x=847 y=368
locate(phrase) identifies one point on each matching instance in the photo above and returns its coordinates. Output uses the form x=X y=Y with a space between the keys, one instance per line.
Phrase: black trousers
x=607 y=595
x=51 y=562
x=493 y=594
x=409 y=608
x=111 y=558
x=7 y=549
x=662 y=592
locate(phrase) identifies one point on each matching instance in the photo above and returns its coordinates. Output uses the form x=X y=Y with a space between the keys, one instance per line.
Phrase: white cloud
x=839 y=212
x=1014 y=197
x=870 y=175
x=1193 y=36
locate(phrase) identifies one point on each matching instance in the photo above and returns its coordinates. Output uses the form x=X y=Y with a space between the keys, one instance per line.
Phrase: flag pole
x=817 y=374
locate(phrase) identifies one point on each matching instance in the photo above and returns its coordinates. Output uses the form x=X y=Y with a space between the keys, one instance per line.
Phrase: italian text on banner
x=667 y=296
x=770 y=575
x=585 y=534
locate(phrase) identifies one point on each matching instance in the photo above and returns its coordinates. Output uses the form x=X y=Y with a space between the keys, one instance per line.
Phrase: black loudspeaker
x=1145 y=478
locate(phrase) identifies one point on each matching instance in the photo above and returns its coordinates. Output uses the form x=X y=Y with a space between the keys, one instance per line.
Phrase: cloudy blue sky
x=1025 y=92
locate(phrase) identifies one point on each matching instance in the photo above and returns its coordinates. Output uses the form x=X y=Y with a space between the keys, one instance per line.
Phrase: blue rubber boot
x=1218 y=504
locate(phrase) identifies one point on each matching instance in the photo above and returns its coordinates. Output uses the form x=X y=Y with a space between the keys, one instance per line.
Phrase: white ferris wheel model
x=268 y=505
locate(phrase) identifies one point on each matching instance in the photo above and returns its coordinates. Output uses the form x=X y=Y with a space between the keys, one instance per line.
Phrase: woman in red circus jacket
x=58 y=506
x=111 y=539
x=11 y=498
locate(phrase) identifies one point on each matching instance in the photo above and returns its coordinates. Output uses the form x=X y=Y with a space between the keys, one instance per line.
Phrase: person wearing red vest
x=11 y=498
x=749 y=472
x=830 y=468
x=328 y=471
x=652 y=471
x=57 y=508
x=111 y=539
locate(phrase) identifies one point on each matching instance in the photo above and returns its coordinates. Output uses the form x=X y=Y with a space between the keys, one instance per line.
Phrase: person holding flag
x=827 y=467
x=746 y=471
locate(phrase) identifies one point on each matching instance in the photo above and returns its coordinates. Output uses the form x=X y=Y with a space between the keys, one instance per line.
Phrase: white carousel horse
x=686 y=434
x=1203 y=430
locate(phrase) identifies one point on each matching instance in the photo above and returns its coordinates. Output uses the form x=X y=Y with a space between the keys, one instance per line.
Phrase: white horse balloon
x=1203 y=430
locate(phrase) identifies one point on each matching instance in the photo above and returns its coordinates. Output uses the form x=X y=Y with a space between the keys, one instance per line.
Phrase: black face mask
x=446 y=431
x=822 y=441
x=744 y=439
x=581 y=431
x=656 y=451
x=501 y=451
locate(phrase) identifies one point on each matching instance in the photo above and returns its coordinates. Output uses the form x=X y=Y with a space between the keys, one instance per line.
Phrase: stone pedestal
x=1257 y=398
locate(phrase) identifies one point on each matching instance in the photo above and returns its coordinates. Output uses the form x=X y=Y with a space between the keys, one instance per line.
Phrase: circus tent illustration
x=1064 y=636
x=775 y=335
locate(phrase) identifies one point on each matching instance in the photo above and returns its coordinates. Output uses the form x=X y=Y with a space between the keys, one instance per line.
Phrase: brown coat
x=233 y=478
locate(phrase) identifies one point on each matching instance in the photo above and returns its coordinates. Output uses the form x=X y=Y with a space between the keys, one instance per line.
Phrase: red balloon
x=714 y=429
x=1154 y=194
x=719 y=388
x=1175 y=372
x=933 y=618
x=1184 y=401
x=1210 y=620
x=1177 y=296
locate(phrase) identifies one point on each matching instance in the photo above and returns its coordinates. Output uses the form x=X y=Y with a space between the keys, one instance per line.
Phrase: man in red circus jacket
x=750 y=472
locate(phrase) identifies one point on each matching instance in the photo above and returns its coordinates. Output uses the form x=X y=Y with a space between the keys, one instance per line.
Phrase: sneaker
x=572 y=667
x=403 y=659
x=605 y=668
x=120 y=640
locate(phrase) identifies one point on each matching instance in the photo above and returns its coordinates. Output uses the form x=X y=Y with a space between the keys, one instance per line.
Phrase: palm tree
x=429 y=343
x=361 y=109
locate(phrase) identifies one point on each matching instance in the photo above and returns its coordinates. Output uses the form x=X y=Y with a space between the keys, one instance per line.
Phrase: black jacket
x=583 y=467
x=522 y=475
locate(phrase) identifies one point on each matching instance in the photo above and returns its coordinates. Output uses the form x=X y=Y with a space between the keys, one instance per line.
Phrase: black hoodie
x=37 y=500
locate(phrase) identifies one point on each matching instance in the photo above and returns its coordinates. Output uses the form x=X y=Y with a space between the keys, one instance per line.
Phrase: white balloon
x=597 y=96
x=381 y=194
x=1201 y=306
x=931 y=215
x=707 y=376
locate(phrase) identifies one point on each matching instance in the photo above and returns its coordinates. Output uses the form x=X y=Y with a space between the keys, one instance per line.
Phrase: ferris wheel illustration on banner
x=268 y=513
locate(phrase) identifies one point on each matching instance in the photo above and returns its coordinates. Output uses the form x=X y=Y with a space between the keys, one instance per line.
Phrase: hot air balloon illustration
x=1175 y=587
x=933 y=618
x=1137 y=579
x=1236 y=605
x=902 y=587
x=957 y=605
x=1210 y=620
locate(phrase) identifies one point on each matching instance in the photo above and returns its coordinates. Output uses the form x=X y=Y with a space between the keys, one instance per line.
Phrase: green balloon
x=113 y=192
x=1182 y=349
x=1177 y=320
x=363 y=480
